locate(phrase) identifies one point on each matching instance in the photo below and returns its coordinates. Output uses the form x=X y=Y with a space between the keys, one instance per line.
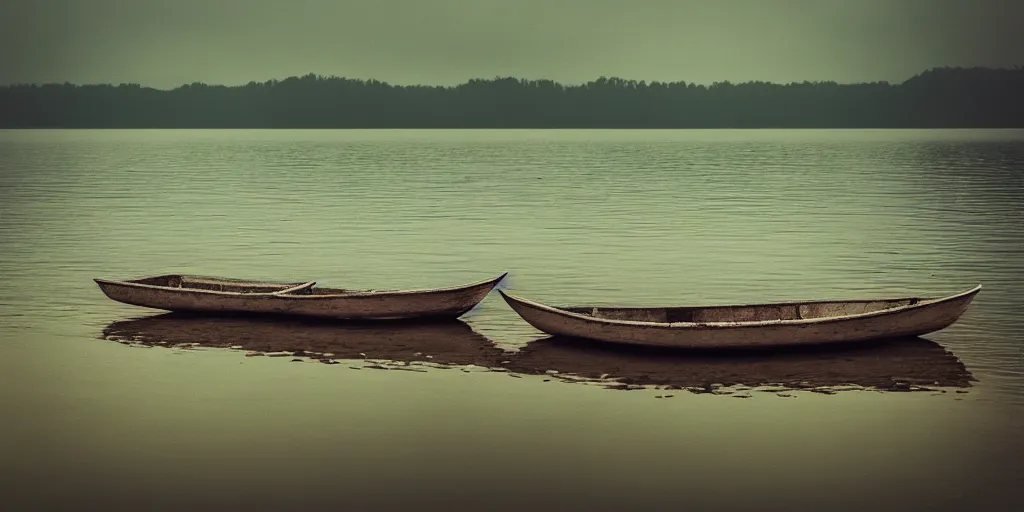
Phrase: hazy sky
x=165 y=43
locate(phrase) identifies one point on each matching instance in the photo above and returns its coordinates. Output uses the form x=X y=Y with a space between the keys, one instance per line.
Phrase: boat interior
x=221 y=284
x=750 y=313
x=334 y=291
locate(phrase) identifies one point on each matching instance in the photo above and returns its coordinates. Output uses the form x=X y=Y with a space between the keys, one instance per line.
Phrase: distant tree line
x=941 y=97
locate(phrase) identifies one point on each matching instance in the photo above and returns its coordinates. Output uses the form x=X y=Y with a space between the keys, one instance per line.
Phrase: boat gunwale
x=276 y=294
x=756 y=323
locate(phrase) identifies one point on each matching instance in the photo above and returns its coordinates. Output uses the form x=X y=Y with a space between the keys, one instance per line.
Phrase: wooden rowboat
x=232 y=296
x=758 y=325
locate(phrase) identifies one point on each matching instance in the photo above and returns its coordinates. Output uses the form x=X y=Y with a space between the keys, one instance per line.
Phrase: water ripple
x=599 y=217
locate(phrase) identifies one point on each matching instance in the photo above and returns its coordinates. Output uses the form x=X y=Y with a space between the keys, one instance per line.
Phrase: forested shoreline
x=937 y=98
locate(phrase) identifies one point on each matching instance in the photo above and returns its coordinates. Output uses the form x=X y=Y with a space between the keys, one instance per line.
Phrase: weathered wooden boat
x=757 y=325
x=231 y=296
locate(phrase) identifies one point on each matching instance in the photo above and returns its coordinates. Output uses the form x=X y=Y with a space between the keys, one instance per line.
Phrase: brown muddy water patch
x=912 y=364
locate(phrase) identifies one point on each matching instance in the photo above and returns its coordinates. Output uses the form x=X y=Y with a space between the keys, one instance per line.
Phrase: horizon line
x=318 y=76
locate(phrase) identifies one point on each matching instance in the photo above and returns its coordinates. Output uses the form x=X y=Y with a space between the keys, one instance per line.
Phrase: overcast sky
x=165 y=43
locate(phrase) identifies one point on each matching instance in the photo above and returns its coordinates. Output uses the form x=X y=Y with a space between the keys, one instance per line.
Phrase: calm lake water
x=576 y=217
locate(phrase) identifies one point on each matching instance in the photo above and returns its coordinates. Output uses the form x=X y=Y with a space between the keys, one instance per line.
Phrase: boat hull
x=442 y=303
x=919 y=318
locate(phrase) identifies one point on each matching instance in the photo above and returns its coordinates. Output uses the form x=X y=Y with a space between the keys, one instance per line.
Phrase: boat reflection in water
x=442 y=343
x=907 y=364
